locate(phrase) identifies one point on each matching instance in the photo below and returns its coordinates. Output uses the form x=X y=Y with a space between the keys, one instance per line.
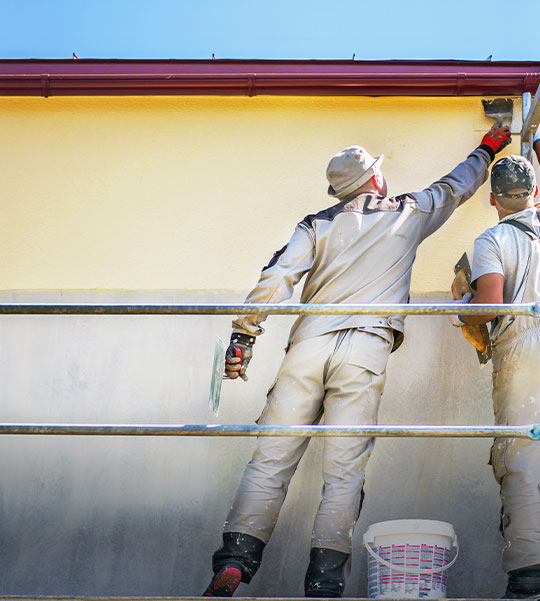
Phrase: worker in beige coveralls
x=506 y=268
x=360 y=250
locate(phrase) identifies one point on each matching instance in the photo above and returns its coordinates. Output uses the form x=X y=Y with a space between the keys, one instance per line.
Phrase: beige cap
x=350 y=169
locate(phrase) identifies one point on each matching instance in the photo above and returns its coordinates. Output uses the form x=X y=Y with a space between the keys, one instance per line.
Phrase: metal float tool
x=499 y=109
x=217 y=374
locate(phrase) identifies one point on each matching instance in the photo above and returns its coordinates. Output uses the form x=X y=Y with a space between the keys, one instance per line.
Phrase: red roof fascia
x=88 y=77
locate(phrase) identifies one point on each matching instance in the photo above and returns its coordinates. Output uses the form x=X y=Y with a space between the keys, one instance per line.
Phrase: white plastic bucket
x=408 y=558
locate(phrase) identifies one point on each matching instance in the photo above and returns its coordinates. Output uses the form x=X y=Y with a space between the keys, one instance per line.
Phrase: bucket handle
x=411 y=570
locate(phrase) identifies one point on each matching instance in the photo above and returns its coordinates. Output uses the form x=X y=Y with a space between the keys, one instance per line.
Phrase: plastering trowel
x=217 y=375
x=477 y=335
x=500 y=109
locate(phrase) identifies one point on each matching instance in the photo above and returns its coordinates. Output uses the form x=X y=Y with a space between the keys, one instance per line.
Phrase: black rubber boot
x=523 y=583
x=325 y=576
x=237 y=560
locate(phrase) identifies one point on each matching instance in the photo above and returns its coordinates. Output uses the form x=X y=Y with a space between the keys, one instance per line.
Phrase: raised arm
x=439 y=200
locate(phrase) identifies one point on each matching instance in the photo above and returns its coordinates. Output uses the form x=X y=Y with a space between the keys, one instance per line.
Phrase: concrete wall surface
x=142 y=516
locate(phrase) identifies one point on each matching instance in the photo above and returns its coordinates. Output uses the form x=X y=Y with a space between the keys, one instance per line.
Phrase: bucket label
x=384 y=582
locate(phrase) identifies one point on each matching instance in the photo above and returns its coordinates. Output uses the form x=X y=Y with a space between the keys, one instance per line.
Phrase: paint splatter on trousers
x=339 y=375
x=516 y=461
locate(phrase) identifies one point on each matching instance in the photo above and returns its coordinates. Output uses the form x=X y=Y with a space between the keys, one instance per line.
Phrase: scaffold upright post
x=531 y=121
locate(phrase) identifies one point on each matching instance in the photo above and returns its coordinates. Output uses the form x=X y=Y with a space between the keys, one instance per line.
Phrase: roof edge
x=232 y=77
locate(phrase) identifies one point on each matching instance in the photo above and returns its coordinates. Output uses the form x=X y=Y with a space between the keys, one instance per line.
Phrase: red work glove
x=238 y=355
x=497 y=138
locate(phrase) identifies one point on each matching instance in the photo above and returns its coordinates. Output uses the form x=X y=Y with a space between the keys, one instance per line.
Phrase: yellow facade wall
x=197 y=192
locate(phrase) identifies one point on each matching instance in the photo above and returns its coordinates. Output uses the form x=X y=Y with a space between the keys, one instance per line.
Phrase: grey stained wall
x=142 y=516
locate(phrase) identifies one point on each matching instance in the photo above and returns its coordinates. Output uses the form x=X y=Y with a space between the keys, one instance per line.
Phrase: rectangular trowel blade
x=464 y=266
x=217 y=376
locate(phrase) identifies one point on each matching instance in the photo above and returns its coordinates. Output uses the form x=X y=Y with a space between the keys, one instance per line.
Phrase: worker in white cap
x=361 y=250
x=506 y=268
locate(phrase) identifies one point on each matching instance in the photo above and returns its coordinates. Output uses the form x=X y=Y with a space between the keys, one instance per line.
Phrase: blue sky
x=331 y=29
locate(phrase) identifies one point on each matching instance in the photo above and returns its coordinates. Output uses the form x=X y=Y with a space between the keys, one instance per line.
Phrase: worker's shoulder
x=367 y=204
x=493 y=235
x=510 y=227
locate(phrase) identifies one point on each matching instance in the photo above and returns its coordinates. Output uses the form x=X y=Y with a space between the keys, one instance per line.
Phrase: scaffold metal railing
x=530 y=431
x=525 y=309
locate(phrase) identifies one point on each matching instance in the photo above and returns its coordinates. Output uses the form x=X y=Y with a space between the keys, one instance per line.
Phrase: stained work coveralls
x=515 y=254
x=358 y=251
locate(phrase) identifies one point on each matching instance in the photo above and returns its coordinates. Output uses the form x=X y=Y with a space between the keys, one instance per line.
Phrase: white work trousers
x=342 y=375
x=516 y=461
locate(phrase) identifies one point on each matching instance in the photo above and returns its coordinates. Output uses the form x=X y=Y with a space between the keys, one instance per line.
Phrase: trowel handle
x=238 y=355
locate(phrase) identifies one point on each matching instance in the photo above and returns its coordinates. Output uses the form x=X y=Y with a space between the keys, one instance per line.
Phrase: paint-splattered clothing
x=359 y=251
x=323 y=374
x=515 y=254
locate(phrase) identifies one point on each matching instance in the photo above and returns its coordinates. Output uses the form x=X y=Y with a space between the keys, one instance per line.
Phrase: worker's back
x=364 y=253
x=513 y=248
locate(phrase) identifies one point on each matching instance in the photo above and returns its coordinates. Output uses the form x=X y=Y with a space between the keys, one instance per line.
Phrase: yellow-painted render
x=198 y=192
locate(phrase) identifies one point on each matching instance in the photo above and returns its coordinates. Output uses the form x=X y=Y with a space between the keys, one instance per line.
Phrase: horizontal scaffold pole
x=531 y=431
x=527 y=309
